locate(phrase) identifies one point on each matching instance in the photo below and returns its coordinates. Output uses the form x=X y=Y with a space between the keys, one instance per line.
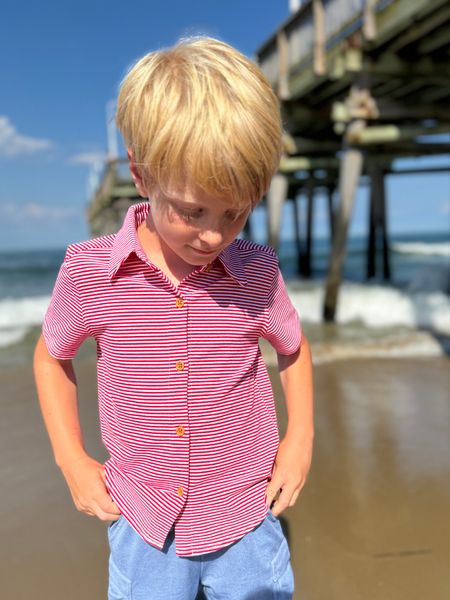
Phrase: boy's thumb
x=272 y=493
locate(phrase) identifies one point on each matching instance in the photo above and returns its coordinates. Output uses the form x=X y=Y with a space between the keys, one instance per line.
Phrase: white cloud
x=88 y=158
x=32 y=212
x=12 y=143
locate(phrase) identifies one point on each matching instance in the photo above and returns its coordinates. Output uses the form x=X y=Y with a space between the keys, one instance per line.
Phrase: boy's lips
x=203 y=252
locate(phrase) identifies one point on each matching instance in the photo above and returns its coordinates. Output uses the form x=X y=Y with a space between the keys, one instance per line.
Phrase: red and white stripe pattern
x=186 y=406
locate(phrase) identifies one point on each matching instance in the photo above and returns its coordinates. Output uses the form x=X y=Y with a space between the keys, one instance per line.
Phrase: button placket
x=178 y=391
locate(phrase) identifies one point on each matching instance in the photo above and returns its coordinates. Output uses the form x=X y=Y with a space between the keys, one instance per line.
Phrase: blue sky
x=61 y=62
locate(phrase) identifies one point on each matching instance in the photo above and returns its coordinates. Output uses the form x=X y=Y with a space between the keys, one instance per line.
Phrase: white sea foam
x=18 y=316
x=397 y=345
x=426 y=249
x=416 y=343
x=376 y=306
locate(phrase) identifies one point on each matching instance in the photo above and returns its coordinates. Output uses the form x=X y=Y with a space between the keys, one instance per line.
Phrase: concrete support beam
x=383 y=134
x=369 y=22
x=378 y=243
x=330 y=202
x=319 y=38
x=283 y=66
x=351 y=169
x=275 y=199
x=302 y=163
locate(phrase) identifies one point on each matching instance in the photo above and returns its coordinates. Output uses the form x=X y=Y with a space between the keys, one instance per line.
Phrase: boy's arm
x=57 y=391
x=293 y=458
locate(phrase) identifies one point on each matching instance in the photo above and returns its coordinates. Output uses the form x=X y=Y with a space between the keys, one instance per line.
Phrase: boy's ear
x=136 y=175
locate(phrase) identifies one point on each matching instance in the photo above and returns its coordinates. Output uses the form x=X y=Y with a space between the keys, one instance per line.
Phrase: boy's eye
x=189 y=214
x=192 y=214
x=232 y=215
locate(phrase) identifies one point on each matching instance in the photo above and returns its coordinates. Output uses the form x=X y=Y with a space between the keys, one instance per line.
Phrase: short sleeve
x=282 y=324
x=63 y=328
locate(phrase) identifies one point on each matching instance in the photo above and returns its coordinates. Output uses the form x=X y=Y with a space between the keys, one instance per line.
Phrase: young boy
x=177 y=305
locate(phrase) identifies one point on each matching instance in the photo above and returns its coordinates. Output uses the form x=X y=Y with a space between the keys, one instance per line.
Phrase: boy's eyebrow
x=184 y=203
x=177 y=199
x=196 y=205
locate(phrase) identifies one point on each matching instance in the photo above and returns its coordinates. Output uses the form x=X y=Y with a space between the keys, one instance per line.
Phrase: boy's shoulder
x=258 y=262
x=244 y=245
x=99 y=246
x=250 y=252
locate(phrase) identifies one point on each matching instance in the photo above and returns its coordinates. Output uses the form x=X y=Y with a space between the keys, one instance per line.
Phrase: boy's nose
x=212 y=238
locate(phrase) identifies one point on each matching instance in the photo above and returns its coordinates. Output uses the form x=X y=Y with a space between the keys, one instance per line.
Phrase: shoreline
x=380 y=462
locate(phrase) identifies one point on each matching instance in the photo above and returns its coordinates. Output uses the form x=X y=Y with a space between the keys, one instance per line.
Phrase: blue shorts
x=256 y=567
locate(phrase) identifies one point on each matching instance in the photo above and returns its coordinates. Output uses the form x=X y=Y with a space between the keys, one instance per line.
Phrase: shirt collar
x=232 y=263
x=126 y=242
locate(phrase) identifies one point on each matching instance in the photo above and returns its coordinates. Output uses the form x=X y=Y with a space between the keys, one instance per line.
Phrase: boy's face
x=193 y=225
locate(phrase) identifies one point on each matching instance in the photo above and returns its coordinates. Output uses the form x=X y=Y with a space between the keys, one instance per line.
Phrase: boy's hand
x=291 y=468
x=86 y=480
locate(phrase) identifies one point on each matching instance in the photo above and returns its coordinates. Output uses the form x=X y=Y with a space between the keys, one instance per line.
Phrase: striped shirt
x=185 y=402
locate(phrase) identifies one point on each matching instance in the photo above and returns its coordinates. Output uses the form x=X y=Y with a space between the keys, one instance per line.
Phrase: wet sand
x=371 y=523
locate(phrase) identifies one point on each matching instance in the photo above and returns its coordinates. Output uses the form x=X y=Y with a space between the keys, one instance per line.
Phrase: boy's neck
x=161 y=255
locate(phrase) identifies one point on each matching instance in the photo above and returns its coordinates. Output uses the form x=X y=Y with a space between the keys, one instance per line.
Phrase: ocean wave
x=18 y=316
x=422 y=248
x=376 y=306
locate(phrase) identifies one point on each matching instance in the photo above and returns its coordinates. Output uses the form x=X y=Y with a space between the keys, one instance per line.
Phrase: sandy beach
x=370 y=525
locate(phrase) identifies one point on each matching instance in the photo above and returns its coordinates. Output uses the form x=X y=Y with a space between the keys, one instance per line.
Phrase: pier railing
x=309 y=37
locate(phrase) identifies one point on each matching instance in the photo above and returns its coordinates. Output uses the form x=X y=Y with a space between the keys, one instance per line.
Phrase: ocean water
x=408 y=316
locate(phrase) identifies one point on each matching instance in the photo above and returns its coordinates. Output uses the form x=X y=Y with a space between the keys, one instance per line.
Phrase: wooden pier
x=362 y=83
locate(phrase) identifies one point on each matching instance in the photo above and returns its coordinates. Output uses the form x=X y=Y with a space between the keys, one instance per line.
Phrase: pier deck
x=362 y=83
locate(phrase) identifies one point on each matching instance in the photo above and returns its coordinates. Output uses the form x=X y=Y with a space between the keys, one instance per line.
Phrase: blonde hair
x=201 y=114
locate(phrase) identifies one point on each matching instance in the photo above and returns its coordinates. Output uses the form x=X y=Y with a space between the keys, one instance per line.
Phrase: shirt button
x=180 y=491
x=179 y=365
x=179 y=302
x=180 y=431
